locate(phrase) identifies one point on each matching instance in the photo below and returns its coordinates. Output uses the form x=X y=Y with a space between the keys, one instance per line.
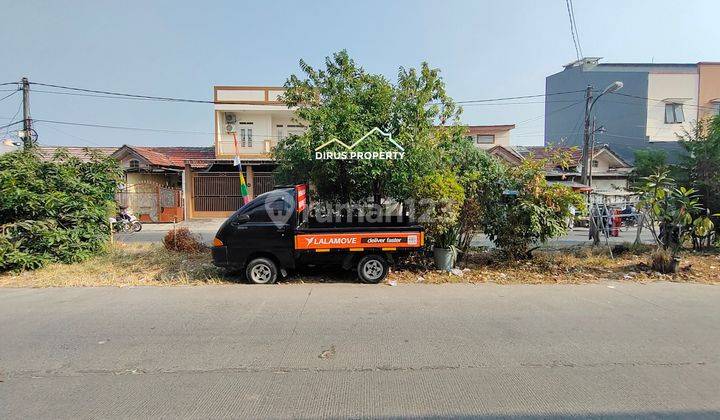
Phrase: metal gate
x=216 y=191
x=262 y=182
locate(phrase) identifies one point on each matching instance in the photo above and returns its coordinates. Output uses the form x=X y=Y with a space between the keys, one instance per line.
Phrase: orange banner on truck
x=359 y=240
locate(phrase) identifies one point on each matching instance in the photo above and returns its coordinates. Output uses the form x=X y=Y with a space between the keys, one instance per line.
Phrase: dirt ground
x=152 y=265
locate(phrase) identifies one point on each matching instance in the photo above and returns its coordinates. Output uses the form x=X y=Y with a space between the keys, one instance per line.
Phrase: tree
x=479 y=174
x=345 y=102
x=673 y=214
x=439 y=199
x=648 y=162
x=702 y=163
x=54 y=211
x=522 y=209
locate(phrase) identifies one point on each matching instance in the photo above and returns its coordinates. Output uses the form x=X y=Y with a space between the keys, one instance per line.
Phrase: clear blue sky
x=485 y=49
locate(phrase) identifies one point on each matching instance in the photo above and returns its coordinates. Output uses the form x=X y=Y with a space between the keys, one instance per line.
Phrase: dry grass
x=182 y=240
x=153 y=265
x=124 y=265
x=582 y=266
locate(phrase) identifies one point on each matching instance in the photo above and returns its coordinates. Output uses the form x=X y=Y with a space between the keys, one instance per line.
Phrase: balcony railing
x=260 y=147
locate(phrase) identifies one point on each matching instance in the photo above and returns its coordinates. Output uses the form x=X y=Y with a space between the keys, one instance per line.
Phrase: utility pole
x=27 y=122
x=586 y=137
x=592 y=152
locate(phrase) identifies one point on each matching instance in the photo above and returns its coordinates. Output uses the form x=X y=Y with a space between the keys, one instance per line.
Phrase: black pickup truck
x=274 y=233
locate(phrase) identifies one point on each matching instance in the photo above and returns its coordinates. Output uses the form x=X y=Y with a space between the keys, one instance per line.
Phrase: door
x=268 y=229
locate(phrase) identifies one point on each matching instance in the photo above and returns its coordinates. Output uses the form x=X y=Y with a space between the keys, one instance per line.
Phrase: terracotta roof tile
x=174 y=156
x=47 y=153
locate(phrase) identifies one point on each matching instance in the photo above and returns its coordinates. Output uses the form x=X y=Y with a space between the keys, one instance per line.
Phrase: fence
x=152 y=202
x=262 y=182
x=216 y=191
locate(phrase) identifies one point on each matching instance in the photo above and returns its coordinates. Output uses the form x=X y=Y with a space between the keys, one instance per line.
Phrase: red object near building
x=616 y=221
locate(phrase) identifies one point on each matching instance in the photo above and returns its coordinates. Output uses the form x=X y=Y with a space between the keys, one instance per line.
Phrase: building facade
x=657 y=104
x=488 y=136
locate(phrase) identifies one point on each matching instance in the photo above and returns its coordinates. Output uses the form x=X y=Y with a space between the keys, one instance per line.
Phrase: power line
x=88 y=95
x=550 y=113
x=656 y=100
x=74 y=136
x=11 y=124
x=110 y=95
x=7 y=129
x=576 y=44
x=126 y=95
x=515 y=103
x=9 y=95
x=118 y=127
x=518 y=97
x=574 y=23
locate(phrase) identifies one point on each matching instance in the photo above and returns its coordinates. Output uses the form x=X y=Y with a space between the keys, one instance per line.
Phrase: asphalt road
x=347 y=350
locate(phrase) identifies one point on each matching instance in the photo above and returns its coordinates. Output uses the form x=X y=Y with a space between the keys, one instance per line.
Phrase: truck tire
x=261 y=271
x=372 y=268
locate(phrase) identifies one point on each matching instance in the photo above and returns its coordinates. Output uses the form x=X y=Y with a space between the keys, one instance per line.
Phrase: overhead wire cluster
x=555 y=97
x=58 y=89
x=573 y=29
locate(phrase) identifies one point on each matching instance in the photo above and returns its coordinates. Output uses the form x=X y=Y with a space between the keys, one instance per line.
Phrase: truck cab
x=275 y=233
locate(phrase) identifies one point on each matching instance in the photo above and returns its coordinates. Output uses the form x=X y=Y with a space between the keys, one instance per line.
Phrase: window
x=134 y=164
x=716 y=107
x=245 y=134
x=279 y=132
x=674 y=114
x=273 y=211
x=595 y=163
x=484 y=139
x=258 y=214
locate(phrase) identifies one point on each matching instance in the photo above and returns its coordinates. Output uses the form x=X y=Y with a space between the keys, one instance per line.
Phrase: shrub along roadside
x=54 y=211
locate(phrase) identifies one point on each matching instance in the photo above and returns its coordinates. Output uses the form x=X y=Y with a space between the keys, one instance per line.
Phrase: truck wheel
x=372 y=269
x=261 y=271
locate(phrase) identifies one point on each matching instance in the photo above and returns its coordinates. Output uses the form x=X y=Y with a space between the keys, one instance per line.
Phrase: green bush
x=439 y=198
x=54 y=211
x=535 y=212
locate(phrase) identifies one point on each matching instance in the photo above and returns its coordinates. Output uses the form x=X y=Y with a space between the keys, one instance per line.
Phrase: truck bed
x=359 y=239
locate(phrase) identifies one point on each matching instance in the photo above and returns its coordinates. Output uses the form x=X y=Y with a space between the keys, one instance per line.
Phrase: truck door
x=268 y=229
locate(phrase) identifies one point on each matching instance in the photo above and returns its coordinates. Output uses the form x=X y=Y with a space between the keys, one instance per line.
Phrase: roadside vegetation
x=54 y=215
x=54 y=211
x=153 y=265
x=456 y=189
x=680 y=203
x=124 y=265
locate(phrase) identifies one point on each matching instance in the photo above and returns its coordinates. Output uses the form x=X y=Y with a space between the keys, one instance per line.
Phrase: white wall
x=670 y=85
x=264 y=129
x=607 y=185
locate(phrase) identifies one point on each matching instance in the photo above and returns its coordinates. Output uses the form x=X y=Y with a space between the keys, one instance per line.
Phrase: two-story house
x=657 y=103
x=249 y=121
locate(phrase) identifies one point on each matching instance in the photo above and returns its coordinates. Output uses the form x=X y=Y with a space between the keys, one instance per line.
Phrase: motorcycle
x=125 y=222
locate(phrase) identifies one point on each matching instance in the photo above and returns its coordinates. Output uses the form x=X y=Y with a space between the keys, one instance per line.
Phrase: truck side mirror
x=242 y=218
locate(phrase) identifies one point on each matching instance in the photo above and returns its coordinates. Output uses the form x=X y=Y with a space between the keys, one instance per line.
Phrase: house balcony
x=260 y=148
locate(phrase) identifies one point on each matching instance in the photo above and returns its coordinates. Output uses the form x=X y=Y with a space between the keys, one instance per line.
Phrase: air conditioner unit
x=230 y=118
x=230 y=128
